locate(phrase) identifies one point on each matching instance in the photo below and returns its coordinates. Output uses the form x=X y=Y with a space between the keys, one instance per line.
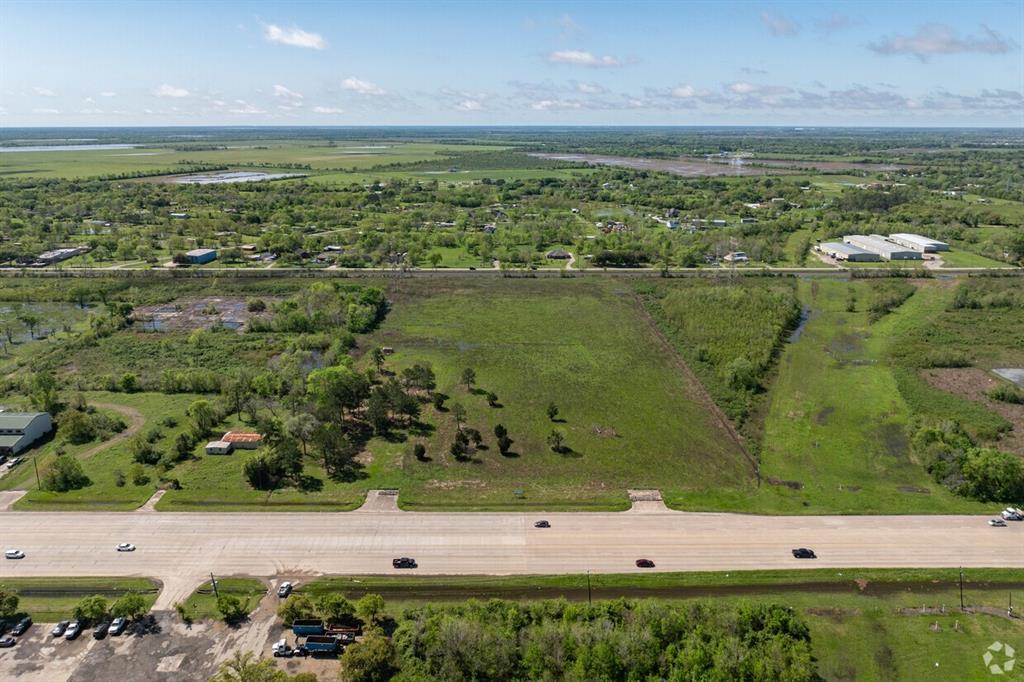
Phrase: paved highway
x=181 y=549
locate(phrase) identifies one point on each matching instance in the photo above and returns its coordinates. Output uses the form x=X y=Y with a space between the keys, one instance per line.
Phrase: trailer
x=321 y=644
x=305 y=627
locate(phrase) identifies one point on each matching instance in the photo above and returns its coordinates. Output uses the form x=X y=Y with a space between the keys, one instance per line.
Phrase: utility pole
x=35 y=466
x=590 y=599
x=213 y=582
x=961 y=588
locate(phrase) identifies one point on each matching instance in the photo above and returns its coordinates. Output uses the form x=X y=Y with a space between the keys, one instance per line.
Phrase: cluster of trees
x=984 y=474
x=619 y=640
x=96 y=609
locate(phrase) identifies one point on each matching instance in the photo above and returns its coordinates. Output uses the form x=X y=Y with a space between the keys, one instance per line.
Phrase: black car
x=404 y=562
x=101 y=630
x=644 y=563
x=541 y=524
x=804 y=553
x=59 y=629
x=7 y=642
x=22 y=626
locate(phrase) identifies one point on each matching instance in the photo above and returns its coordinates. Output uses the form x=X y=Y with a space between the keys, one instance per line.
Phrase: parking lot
x=160 y=649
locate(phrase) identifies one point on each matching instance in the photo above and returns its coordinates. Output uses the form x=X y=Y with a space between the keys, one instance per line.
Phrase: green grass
x=837 y=420
x=857 y=629
x=454 y=257
x=958 y=258
x=202 y=604
x=49 y=600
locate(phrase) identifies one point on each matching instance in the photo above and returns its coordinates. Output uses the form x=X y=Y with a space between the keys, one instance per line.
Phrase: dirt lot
x=161 y=649
x=974 y=384
x=200 y=313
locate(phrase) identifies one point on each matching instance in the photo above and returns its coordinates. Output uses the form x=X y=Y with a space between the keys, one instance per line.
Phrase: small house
x=200 y=256
x=218 y=447
x=19 y=430
x=242 y=440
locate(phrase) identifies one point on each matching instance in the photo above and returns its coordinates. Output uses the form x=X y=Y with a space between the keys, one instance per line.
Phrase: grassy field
x=49 y=600
x=319 y=156
x=837 y=420
x=865 y=624
x=202 y=604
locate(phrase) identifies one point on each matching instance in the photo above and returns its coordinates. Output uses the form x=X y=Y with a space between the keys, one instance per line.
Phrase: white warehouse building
x=847 y=252
x=876 y=243
x=918 y=243
x=19 y=430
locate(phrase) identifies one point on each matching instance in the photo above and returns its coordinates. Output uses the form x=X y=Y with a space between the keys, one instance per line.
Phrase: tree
x=552 y=411
x=231 y=608
x=80 y=294
x=459 y=412
x=370 y=609
x=419 y=451
x=556 y=439
x=371 y=660
x=435 y=259
x=336 y=390
x=130 y=606
x=246 y=667
x=468 y=378
x=64 y=474
x=8 y=603
x=504 y=444
x=500 y=431
x=262 y=472
x=460 y=446
x=295 y=607
x=183 y=445
x=492 y=399
x=202 y=416
x=334 y=608
x=90 y=610
x=31 y=321
x=419 y=376
x=43 y=392
x=377 y=411
x=377 y=356
x=128 y=382
x=302 y=427
x=439 y=399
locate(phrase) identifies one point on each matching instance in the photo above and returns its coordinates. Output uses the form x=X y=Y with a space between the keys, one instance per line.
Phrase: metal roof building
x=876 y=243
x=18 y=430
x=918 y=243
x=847 y=252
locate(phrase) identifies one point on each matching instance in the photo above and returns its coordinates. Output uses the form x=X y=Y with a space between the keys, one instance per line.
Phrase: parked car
x=644 y=563
x=1013 y=514
x=7 y=642
x=14 y=554
x=126 y=547
x=15 y=462
x=804 y=553
x=74 y=629
x=541 y=524
x=404 y=562
x=22 y=627
x=284 y=589
x=117 y=626
x=101 y=630
x=60 y=628
x=998 y=523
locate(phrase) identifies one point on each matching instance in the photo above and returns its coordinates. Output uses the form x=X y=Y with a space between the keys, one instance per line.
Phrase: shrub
x=1007 y=394
x=231 y=608
x=64 y=474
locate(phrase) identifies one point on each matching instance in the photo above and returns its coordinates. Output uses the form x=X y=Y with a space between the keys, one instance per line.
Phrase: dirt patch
x=135 y=423
x=792 y=485
x=822 y=417
x=475 y=484
x=844 y=344
x=894 y=440
x=605 y=432
x=974 y=384
x=914 y=489
x=199 y=313
x=835 y=613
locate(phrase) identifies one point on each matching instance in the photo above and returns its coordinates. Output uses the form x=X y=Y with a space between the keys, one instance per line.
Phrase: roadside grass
x=836 y=423
x=583 y=346
x=454 y=257
x=866 y=624
x=202 y=603
x=49 y=600
x=958 y=258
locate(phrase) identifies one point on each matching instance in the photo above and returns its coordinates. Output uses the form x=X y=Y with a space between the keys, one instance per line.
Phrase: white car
x=14 y=554
x=1011 y=514
x=997 y=523
x=126 y=547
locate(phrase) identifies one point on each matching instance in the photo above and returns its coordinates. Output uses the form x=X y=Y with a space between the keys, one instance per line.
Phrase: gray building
x=848 y=252
x=19 y=430
x=876 y=243
x=918 y=243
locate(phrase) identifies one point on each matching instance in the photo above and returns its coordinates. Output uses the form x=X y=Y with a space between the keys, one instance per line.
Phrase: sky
x=894 y=63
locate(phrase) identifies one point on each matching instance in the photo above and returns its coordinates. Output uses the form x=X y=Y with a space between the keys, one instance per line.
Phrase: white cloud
x=837 y=21
x=684 y=91
x=550 y=104
x=290 y=98
x=742 y=88
x=933 y=39
x=293 y=36
x=362 y=87
x=218 y=102
x=108 y=93
x=89 y=100
x=779 y=24
x=167 y=90
x=328 y=110
x=469 y=105
x=46 y=111
x=245 y=108
x=44 y=92
x=590 y=89
x=582 y=58
x=91 y=110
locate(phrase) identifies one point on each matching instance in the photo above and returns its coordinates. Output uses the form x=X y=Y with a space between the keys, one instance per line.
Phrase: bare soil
x=974 y=384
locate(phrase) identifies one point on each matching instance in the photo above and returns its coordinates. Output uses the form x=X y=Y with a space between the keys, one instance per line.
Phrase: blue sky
x=480 y=63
